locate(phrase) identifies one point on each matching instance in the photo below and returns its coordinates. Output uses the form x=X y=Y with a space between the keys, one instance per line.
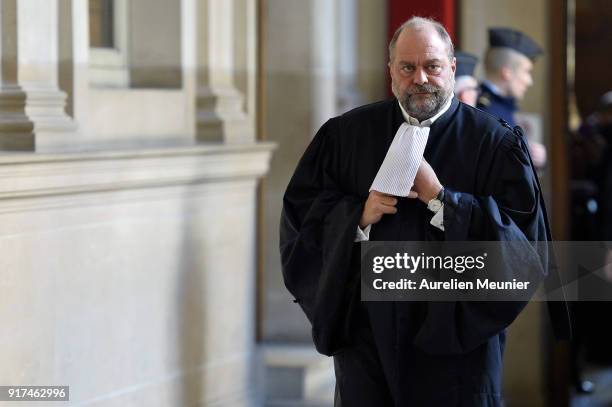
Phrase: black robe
x=432 y=353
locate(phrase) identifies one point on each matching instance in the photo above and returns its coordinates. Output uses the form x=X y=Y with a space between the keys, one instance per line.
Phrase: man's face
x=422 y=77
x=520 y=78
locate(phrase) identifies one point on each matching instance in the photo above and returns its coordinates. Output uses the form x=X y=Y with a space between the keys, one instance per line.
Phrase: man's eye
x=407 y=68
x=435 y=68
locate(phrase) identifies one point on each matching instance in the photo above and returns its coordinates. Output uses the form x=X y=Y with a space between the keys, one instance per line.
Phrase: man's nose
x=420 y=77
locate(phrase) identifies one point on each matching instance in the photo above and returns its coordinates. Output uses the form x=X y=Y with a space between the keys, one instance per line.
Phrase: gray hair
x=418 y=23
x=497 y=58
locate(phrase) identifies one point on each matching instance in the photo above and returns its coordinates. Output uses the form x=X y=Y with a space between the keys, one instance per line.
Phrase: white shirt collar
x=428 y=122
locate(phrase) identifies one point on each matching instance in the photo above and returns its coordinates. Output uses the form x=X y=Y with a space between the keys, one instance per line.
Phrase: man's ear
x=505 y=73
x=454 y=64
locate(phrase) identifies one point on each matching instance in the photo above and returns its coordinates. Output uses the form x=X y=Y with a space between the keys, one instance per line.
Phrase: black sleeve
x=317 y=232
x=510 y=207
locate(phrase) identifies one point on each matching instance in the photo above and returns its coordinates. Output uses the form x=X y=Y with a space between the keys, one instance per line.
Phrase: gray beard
x=429 y=107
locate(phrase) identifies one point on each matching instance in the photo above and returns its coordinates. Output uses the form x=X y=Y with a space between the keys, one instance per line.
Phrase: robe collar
x=427 y=122
x=437 y=128
x=440 y=122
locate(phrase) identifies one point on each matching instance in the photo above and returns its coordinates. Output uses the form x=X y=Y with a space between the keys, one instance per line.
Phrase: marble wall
x=128 y=224
x=133 y=282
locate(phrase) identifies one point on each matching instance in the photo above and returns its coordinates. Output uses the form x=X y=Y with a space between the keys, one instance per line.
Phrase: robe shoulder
x=371 y=128
x=481 y=119
x=387 y=109
x=495 y=131
x=374 y=110
x=374 y=118
x=354 y=122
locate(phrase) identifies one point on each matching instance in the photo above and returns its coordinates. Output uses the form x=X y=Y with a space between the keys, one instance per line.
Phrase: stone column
x=154 y=57
x=223 y=31
x=73 y=74
x=323 y=38
x=31 y=103
x=348 y=56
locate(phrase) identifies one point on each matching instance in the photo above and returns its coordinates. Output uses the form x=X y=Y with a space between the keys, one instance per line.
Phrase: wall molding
x=44 y=175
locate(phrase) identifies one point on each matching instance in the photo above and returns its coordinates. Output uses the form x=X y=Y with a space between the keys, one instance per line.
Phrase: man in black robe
x=408 y=353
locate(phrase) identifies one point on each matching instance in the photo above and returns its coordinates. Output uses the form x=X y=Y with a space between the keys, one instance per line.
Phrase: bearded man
x=420 y=167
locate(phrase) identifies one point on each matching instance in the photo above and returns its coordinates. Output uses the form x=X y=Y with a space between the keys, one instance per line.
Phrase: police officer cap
x=509 y=38
x=465 y=63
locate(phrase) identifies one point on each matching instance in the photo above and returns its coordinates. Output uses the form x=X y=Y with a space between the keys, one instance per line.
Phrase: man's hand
x=426 y=182
x=377 y=205
x=538 y=154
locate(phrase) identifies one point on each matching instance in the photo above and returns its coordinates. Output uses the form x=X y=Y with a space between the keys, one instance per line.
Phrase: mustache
x=426 y=88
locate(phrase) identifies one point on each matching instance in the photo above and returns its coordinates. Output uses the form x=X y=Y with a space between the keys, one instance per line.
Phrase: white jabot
x=398 y=170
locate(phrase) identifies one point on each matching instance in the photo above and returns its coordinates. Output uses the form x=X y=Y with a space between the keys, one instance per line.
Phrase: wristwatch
x=436 y=203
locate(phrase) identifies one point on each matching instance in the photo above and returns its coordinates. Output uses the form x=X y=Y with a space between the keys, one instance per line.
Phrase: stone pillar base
x=33 y=119
x=220 y=116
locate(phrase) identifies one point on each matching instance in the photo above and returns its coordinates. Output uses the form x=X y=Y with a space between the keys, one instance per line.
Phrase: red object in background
x=399 y=11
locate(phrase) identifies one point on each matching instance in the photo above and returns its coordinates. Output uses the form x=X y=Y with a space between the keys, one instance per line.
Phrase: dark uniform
x=491 y=101
x=500 y=106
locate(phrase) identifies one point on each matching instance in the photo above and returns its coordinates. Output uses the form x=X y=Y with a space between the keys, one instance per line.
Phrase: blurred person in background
x=592 y=220
x=596 y=136
x=508 y=64
x=466 y=86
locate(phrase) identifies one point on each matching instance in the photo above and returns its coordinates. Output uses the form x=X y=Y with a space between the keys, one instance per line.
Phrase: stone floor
x=297 y=376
